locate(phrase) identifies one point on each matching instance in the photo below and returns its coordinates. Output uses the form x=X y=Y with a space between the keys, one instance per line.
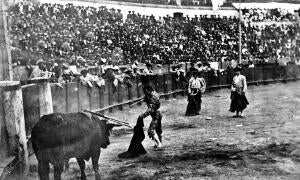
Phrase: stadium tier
x=55 y=32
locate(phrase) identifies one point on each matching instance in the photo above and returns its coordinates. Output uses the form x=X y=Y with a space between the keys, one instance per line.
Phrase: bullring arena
x=98 y=57
x=265 y=145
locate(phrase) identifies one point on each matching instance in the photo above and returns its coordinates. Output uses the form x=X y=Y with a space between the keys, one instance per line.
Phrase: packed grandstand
x=64 y=35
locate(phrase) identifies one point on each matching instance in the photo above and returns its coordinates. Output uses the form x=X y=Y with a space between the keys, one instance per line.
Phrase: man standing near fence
x=239 y=101
x=196 y=84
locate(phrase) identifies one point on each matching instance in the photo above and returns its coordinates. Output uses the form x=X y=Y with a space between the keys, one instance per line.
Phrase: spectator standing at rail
x=178 y=70
x=101 y=66
x=86 y=78
x=41 y=71
x=149 y=69
x=239 y=101
x=67 y=74
x=152 y=100
x=179 y=74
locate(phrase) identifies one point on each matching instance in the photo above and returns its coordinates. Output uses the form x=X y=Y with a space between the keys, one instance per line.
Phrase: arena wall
x=5 y=75
x=3 y=139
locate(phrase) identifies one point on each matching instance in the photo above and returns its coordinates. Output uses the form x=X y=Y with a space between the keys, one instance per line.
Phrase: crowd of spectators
x=173 y=2
x=272 y=41
x=265 y=1
x=52 y=31
x=69 y=35
x=177 y=2
x=161 y=2
x=276 y=14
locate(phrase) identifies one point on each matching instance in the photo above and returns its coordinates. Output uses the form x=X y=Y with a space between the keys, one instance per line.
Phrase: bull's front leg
x=95 y=159
x=58 y=169
x=43 y=169
x=81 y=164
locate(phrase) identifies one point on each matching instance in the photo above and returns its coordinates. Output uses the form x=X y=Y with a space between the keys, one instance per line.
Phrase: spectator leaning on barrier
x=86 y=78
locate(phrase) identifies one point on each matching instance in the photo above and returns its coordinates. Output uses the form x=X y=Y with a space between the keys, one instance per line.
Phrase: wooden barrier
x=102 y=90
x=279 y=73
x=268 y=75
x=133 y=89
x=95 y=98
x=259 y=71
x=4 y=150
x=115 y=95
x=71 y=97
x=174 y=84
x=59 y=98
x=120 y=96
x=84 y=97
x=74 y=97
x=292 y=72
x=223 y=79
x=44 y=95
x=125 y=92
x=12 y=99
x=250 y=74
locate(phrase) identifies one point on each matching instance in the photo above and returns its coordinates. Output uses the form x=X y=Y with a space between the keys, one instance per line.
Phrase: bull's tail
x=34 y=142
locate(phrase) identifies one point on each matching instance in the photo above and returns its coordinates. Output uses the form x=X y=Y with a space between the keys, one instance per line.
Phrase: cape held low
x=122 y=123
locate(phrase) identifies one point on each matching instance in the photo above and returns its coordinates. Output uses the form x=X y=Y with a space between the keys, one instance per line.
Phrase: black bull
x=59 y=137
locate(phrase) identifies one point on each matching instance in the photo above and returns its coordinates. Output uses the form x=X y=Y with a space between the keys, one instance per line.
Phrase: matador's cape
x=136 y=147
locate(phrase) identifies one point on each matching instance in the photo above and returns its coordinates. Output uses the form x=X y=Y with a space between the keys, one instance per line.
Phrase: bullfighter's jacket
x=153 y=104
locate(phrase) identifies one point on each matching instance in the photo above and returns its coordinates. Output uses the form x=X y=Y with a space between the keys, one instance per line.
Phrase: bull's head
x=105 y=129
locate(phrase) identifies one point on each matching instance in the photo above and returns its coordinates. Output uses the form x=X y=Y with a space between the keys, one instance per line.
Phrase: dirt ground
x=263 y=145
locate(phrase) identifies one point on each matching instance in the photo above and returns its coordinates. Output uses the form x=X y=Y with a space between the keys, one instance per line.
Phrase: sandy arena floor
x=263 y=145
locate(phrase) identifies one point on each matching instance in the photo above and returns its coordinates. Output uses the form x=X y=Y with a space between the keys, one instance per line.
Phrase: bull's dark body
x=59 y=137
